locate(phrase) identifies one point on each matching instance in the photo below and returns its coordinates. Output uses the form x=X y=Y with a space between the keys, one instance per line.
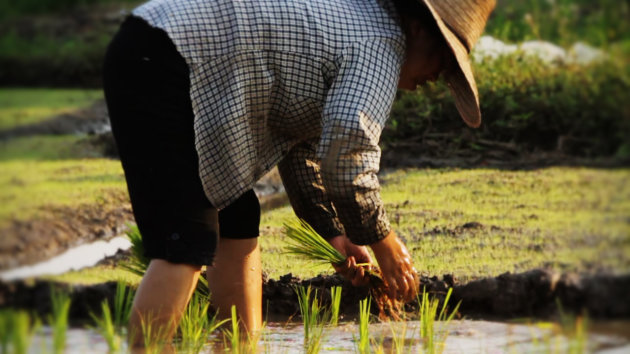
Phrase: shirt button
x=175 y=237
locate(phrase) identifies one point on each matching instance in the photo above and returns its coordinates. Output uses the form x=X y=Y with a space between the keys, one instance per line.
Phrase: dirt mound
x=530 y=294
x=31 y=241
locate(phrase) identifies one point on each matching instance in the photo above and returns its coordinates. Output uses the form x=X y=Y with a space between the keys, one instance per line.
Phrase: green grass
x=26 y=187
x=527 y=105
x=96 y=275
x=565 y=218
x=21 y=106
x=9 y=9
x=562 y=21
x=39 y=172
x=45 y=147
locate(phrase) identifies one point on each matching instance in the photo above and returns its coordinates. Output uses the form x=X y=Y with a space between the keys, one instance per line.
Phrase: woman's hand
x=396 y=265
x=356 y=255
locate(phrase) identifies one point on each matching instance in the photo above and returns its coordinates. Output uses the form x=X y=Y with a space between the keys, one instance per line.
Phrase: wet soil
x=25 y=242
x=535 y=293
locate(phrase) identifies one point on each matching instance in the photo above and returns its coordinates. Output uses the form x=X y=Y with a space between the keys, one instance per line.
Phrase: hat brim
x=459 y=77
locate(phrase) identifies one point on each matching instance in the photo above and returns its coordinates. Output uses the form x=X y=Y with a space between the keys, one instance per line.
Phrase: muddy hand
x=355 y=255
x=396 y=265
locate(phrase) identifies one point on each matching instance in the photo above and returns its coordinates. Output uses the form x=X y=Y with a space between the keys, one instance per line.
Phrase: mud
x=532 y=294
x=31 y=241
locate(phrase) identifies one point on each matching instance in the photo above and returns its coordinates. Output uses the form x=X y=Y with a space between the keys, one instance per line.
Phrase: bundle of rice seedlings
x=305 y=241
x=308 y=243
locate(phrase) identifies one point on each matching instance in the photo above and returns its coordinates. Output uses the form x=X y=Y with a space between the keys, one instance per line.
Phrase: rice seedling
x=138 y=263
x=153 y=337
x=399 y=338
x=575 y=328
x=433 y=337
x=251 y=345
x=22 y=327
x=106 y=327
x=234 y=336
x=60 y=301
x=234 y=339
x=335 y=301
x=364 y=323
x=306 y=242
x=314 y=317
x=195 y=324
x=6 y=329
x=123 y=301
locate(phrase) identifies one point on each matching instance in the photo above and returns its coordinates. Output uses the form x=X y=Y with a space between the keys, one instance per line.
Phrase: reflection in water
x=73 y=259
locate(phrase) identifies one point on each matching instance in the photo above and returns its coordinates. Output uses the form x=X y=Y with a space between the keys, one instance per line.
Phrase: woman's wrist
x=386 y=243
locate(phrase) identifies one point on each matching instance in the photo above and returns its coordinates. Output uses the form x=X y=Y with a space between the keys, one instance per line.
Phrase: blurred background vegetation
x=527 y=104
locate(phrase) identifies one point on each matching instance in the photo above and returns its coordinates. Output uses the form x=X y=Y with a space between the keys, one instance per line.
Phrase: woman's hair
x=417 y=10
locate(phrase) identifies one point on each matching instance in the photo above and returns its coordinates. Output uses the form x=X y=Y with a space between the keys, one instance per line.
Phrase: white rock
x=582 y=53
x=545 y=51
x=489 y=48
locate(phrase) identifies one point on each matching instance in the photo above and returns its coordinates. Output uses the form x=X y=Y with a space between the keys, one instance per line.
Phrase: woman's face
x=427 y=56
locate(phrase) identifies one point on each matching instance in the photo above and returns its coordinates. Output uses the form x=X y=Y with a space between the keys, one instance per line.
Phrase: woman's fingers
x=397 y=267
x=361 y=278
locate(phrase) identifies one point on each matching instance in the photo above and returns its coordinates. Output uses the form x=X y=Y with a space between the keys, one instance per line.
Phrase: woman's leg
x=146 y=86
x=236 y=279
x=160 y=301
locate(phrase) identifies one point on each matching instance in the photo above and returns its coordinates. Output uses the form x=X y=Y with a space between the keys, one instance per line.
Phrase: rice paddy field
x=466 y=225
x=472 y=223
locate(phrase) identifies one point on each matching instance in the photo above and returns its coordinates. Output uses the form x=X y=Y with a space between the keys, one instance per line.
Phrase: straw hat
x=462 y=23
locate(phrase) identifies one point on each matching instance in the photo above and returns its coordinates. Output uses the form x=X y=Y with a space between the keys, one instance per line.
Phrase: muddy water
x=463 y=336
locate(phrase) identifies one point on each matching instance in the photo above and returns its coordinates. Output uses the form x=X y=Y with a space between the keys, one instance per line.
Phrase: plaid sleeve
x=301 y=177
x=355 y=112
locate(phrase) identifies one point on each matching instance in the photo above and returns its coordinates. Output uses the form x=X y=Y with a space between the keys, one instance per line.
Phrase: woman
x=206 y=96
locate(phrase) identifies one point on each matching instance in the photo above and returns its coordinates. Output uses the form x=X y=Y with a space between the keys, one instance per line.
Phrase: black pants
x=146 y=86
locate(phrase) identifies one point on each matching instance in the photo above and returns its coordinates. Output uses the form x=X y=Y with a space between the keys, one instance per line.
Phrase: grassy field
x=21 y=106
x=482 y=222
x=42 y=171
x=565 y=218
x=472 y=223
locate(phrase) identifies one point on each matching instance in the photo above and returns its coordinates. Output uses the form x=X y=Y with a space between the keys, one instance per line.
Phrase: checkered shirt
x=303 y=84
